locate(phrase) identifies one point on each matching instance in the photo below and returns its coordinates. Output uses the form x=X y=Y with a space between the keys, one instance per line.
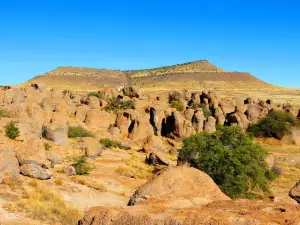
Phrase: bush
x=115 y=105
x=276 y=124
x=107 y=143
x=3 y=113
x=229 y=156
x=78 y=131
x=81 y=166
x=12 y=131
x=47 y=146
x=96 y=94
x=206 y=111
x=177 y=105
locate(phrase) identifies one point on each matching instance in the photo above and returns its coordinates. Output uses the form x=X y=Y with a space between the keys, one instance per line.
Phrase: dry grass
x=79 y=180
x=98 y=186
x=135 y=167
x=43 y=204
x=280 y=148
x=33 y=183
x=58 y=181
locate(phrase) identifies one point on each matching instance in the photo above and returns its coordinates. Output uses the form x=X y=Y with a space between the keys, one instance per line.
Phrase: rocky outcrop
x=178 y=183
x=58 y=133
x=295 y=192
x=210 y=125
x=156 y=159
x=35 y=171
x=90 y=147
x=9 y=166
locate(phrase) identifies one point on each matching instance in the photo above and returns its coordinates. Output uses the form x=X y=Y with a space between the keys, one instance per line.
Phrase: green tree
x=231 y=158
x=275 y=124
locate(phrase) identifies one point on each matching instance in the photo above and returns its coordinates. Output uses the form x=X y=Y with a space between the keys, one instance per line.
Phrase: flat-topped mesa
x=201 y=71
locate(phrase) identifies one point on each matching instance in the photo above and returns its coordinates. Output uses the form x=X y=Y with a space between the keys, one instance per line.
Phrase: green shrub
x=231 y=158
x=179 y=106
x=78 y=131
x=12 y=131
x=81 y=166
x=107 y=143
x=96 y=94
x=115 y=105
x=47 y=146
x=275 y=124
x=206 y=111
x=3 y=113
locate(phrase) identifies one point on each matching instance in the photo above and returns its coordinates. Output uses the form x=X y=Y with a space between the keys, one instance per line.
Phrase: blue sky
x=261 y=37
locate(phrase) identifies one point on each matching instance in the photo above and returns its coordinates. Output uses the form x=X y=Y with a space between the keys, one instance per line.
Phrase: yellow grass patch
x=43 y=204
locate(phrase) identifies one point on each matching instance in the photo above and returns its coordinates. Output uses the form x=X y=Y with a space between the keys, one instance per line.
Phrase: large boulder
x=198 y=121
x=99 y=119
x=32 y=152
x=295 y=192
x=47 y=105
x=176 y=183
x=81 y=112
x=35 y=171
x=132 y=91
x=210 y=125
x=58 y=133
x=178 y=127
x=140 y=129
x=9 y=166
x=90 y=147
x=154 y=144
x=156 y=159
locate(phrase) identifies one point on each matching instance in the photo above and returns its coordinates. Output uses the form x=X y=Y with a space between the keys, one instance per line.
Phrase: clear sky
x=261 y=37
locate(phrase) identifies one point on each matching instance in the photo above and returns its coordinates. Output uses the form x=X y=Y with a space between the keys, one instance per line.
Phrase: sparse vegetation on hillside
x=41 y=203
x=275 y=124
x=12 y=131
x=74 y=132
x=3 y=113
x=231 y=158
x=115 y=105
x=82 y=166
x=179 y=106
x=47 y=146
x=96 y=94
x=108 y=143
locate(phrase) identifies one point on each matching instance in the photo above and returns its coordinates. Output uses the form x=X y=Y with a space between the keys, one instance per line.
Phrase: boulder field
x=154 y=125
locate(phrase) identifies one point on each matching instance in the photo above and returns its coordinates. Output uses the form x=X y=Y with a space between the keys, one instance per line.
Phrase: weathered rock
x=99 y=119
x=188 y=114
x=295 y=192
x=35 y=171
x=9 y=166
x=210 y=125
x=179 y=127
x=90 y=147
x=53 y=157
x=70 y=170
x=58 y=133
x=156 y=159
x=175 y=96
x=132 y=91
x=32 y=152
x=140 y=129
x=154 y=144
x=81 y=112
x=198 y=121
x=114 y=131
x=178 y=182
x=47 y=105
x=124 y=145
x=93 y=102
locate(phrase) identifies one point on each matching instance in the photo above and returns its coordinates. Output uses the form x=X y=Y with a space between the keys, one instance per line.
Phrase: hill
x=200 y=72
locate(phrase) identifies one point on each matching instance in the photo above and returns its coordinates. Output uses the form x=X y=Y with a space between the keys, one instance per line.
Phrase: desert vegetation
x=116 y=105
x=231 y=158
x=43 y=204
x=12 y=131
x=3 y=113
x=82 y=166
x=74 y=132
x=96 y=94
x=275 y=124
x=179 y=106
x=108 y=143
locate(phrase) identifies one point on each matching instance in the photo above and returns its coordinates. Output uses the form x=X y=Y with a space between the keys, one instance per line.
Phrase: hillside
x=195 y=73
